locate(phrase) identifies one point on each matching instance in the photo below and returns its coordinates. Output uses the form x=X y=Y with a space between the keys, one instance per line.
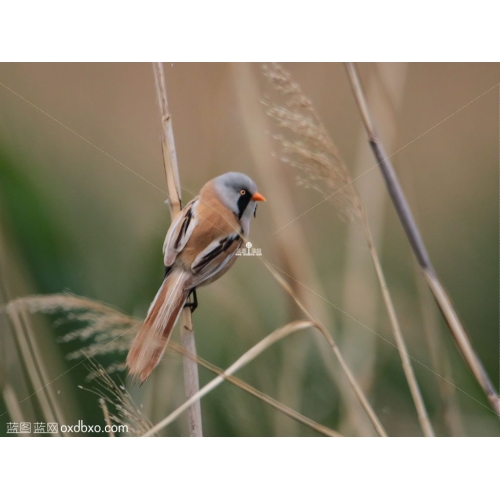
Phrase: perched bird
x=199 y=248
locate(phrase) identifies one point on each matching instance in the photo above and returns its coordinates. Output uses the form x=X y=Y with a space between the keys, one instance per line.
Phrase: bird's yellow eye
x=243 y=192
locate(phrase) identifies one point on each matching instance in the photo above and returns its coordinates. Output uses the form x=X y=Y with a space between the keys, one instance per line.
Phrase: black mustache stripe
x=243 y=202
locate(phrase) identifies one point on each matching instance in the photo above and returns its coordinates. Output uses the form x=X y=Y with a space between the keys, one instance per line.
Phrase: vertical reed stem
x=191 y=380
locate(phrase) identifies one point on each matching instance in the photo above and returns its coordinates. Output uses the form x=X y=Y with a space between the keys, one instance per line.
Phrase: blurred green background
x=82 y=210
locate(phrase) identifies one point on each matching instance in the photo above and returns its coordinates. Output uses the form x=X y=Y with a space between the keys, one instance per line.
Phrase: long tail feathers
x=151 y=341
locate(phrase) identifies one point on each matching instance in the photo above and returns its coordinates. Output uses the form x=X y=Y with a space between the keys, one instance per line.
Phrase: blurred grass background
x=73 y=218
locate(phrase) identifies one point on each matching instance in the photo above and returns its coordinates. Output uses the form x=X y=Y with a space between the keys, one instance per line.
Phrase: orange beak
x=258 y=197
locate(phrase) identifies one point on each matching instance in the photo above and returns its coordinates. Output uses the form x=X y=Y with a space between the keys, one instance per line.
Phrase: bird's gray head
x=239 y=193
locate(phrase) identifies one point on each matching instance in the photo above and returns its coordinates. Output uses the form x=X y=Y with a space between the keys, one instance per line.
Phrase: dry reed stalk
x=191 y=380
x=359 y=349
x=8 y=394
x=12 y=404
x=440 y=359
x=413 y=234
x=30 y=357
x=31 y=363
x=320 y=166
x=405 y=358
x=105 y=413
x=296 y=258
x=243 y=360
x=42 y=368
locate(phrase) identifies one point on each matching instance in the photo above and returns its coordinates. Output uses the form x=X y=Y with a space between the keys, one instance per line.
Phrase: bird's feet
x=193 y=304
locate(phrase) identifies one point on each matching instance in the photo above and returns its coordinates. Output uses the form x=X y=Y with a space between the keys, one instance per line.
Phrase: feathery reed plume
x=191 y=380
x=413 y=234
x=126 y=413
x=311 y=151
x=318 y=165
x=110 y=331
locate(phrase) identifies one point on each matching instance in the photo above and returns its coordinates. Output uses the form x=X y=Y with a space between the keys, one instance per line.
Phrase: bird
x=200 y=246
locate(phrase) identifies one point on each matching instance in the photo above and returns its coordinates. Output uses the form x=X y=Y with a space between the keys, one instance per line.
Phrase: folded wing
x=179 y=232
x=215 y=257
